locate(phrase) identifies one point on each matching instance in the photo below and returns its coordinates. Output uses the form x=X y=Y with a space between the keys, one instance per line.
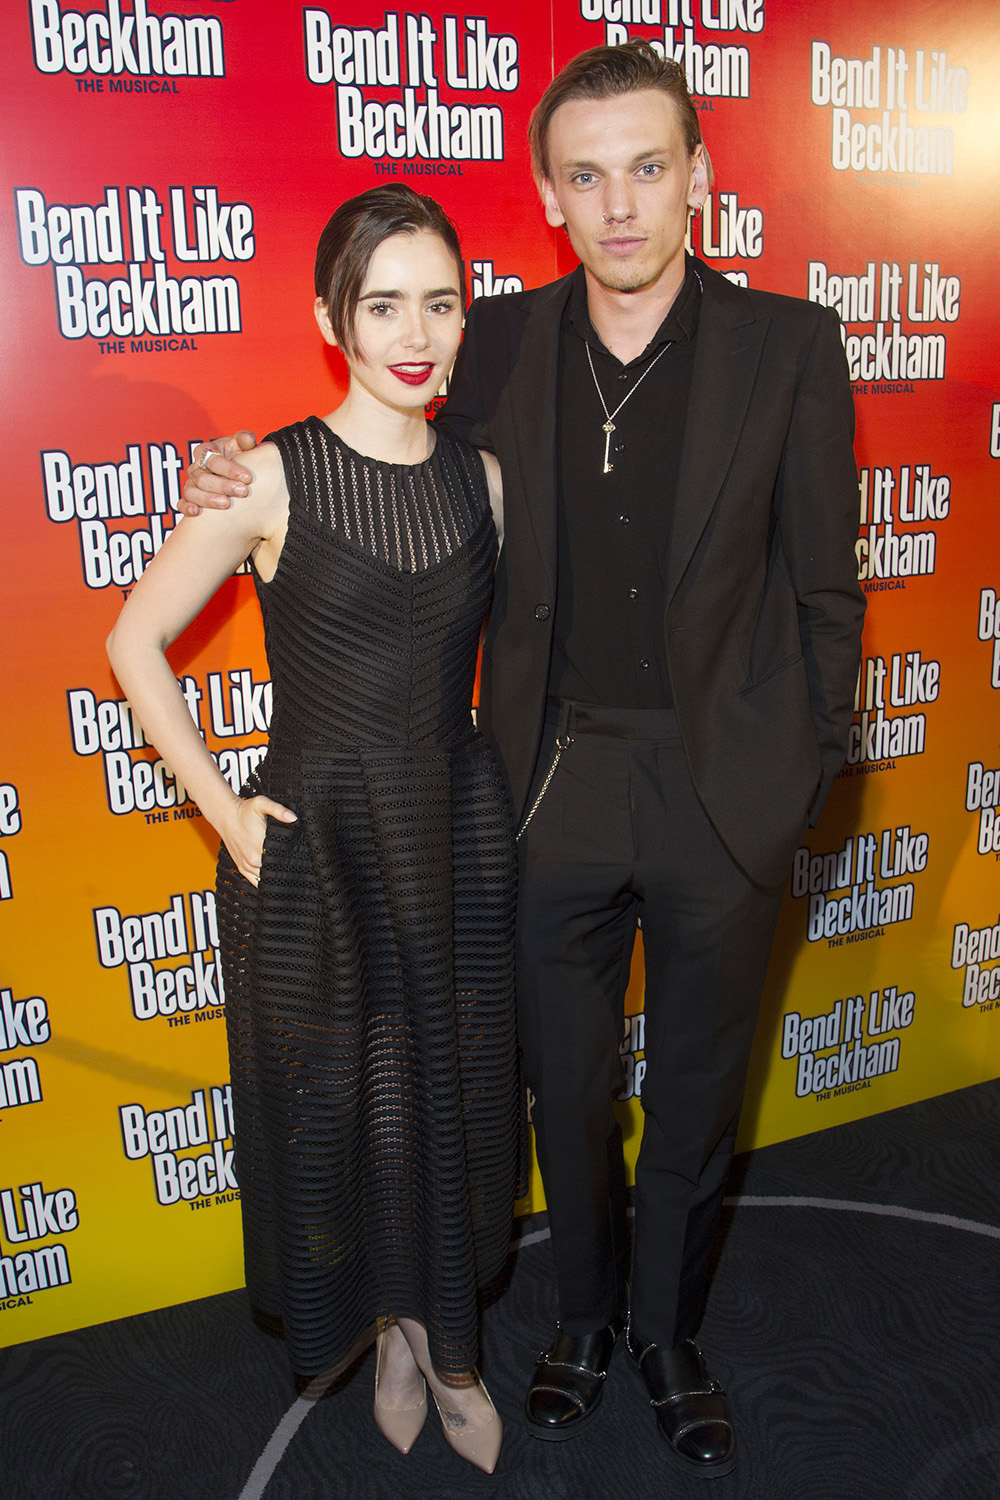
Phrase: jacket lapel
x=532 y=394
x=727 y=355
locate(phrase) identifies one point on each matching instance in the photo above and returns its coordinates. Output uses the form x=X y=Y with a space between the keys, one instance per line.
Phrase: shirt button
x=619 y=448
x=623 y=375
x=624 y=520
x=633 y=593
x=644 y=662
x=542 y=611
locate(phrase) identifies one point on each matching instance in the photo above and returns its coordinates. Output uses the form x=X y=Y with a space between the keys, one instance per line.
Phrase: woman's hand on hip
x=245 y=831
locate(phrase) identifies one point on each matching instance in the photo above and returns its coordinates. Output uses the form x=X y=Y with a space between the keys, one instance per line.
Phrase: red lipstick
x=413 y=374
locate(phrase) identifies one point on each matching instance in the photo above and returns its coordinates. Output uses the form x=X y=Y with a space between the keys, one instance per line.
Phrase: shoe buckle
x=712 y=1389
x=562 y=1364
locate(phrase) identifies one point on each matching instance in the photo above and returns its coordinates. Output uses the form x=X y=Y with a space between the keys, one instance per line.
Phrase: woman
x=366 y=876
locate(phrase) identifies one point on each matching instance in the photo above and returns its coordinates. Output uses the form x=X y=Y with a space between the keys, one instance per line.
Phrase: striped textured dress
x=369 y=978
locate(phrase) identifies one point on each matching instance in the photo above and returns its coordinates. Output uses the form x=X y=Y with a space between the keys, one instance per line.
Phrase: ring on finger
x=203 y=457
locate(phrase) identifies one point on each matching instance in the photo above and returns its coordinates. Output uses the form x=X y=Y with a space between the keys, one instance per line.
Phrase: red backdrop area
x=167 y=168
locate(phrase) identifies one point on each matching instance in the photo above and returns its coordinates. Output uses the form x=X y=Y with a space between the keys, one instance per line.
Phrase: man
x=668 y=676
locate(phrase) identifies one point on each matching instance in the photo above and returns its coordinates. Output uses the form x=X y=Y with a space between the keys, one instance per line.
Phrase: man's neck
x=626 y=321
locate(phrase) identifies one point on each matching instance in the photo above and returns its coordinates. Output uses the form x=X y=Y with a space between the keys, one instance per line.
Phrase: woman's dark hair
x=604 y=73
x=353 y=234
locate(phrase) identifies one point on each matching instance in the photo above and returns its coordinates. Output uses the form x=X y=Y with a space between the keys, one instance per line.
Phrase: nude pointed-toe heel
x=402 y=1425
x=480 y=1446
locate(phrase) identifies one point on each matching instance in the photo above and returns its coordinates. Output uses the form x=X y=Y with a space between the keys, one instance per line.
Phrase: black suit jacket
x=762 y=610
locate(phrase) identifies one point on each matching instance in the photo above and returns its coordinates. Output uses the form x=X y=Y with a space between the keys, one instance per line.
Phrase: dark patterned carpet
x=860 y=1348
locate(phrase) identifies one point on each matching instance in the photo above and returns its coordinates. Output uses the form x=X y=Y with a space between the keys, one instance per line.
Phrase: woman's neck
x=396 y=435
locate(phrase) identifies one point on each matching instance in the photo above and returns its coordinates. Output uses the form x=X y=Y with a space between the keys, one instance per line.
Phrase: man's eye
x=583 y=179
x=650 y=169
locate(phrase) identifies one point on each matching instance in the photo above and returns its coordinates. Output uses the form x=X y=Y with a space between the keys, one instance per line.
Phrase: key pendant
x=608 y=429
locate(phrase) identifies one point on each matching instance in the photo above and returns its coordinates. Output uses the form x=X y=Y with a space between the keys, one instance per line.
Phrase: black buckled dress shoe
x=691 y=1409
x=568 y=1383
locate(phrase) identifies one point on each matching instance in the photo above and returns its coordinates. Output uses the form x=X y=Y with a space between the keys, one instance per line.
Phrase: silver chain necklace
x=608 y=426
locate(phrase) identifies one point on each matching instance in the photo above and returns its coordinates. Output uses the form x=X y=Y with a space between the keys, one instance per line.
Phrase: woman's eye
x=380 y=308
x=442 y=307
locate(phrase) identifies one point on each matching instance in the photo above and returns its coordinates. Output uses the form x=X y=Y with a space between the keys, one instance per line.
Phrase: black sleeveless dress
x=369 y=978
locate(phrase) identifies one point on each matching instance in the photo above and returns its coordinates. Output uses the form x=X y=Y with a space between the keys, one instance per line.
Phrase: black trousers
x=620 y=837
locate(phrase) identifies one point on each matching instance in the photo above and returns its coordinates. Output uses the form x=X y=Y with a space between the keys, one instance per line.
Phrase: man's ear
x=700 y=180
x=547 y=193
x=322 y=313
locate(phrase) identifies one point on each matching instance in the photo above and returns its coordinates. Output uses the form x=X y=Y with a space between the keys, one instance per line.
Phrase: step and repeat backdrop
x=168 y=165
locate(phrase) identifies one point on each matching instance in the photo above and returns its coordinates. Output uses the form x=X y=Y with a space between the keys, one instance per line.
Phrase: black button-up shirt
x=614 y=529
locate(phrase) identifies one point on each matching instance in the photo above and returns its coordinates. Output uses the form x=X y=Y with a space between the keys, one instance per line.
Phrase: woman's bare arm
x=196 y=558
x=493 y=479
